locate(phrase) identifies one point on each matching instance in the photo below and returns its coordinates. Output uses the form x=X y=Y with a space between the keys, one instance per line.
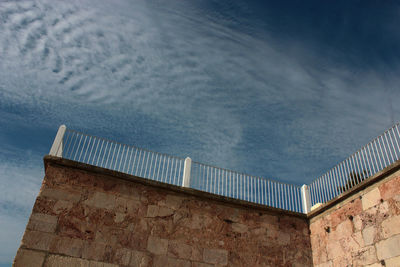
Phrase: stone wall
x=87 y=217
x=363 y=230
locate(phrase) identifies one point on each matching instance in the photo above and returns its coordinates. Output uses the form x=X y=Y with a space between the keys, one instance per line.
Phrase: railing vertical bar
x=116 y=157
x=121 y=158
x=388 y=145
x=126 y=158
x=69 y=141
x=380 y=162
x=397 y=137
x=373 y=162
x=81 y=149
x=86 y=150
x=137 y=156
x=357 y=168
x=384 y=150
x=97 y=142
x=393 y=146
x=366 y=160
x=348 y=177
x=363 y=165
x=77 y=149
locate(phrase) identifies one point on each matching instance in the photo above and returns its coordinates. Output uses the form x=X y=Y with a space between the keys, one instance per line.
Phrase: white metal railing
x=378 y=154
x=119 y=157
x=372 y=158
x=245 y=187
x=73 y=145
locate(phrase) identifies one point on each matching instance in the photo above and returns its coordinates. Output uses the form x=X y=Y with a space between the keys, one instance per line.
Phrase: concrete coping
x=52 y=160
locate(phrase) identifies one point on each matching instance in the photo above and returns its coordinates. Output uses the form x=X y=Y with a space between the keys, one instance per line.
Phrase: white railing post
x=56 y=148
x=306 y=199
x=186 y=172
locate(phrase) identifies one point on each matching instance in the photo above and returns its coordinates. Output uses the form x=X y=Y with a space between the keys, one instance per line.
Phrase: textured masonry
x=86 y=216
x=363 y=230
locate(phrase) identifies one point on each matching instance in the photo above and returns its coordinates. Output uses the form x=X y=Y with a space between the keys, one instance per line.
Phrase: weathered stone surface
x=369 y=235
x=388 y=248
x=391 y=188
x=215 y=256
x=101 y=200
x=42 y=222
x=179 y=250
x=37 y=240
x=239 y=228
x=391 y=226
x=371 y=198
x=61 y=261
x=115 y=222
x=201 y=264
x=27 y=257
x=393 y=262
x=364 y=256
x=173 y=262
x=140 y=259
x=94 y=251
x=157 y=246
x=67 y=246
x=58 y=194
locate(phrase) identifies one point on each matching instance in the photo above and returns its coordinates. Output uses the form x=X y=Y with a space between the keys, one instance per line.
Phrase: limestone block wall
x=85 y=217
x=363 y=230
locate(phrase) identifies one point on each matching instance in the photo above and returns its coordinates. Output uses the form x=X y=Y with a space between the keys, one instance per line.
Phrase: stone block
x=377 y=264
x=140 y=259
x=343 y=230
x=325 y=264
x=157 y=246
x=364 y=256
x=58 y=194
x=393 y=262
x=369 y=235
x=93 y=251
x=62 y=206
x=179 y=250
x=101 y=200
x=165 y=212
x=388 y=248
x=173 y=202
x=42 y=222
x=201 y=264
x=334 y=249
x=122 y=256
x=390 y=188
x=391 y=226
x=37 y=240
x=152 y=211
x=62 y=261
x=174 y=262
x=27 y=257
x=215 y=256
x=101 y=264
x=283 y=238
x=67 y=246
x=239 y=228
x=371 y=198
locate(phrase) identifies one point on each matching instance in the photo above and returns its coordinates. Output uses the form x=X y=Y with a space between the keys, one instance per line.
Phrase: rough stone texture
x=27 y=257
x=83 y=218
x=362 y=230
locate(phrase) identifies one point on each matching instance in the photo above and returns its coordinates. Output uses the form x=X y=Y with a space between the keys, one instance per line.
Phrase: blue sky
x=282 y=90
